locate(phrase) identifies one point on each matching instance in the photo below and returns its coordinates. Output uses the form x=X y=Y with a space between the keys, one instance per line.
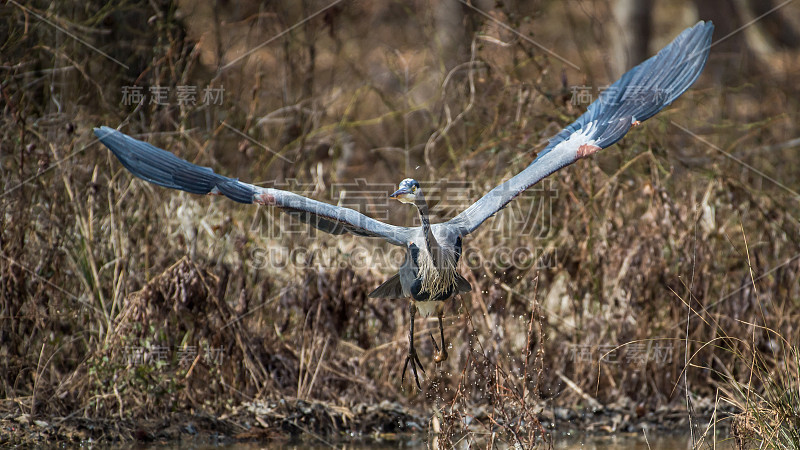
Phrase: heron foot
x=414 y=360
x=441 y=355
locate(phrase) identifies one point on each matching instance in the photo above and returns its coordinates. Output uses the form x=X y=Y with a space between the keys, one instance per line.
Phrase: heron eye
x=413 y=189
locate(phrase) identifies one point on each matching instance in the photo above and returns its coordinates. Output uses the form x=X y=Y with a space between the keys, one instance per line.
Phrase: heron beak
x=403 y=195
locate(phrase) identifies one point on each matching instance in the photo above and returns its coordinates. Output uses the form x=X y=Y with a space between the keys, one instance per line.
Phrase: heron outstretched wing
x=161 y=167
x=635 y=97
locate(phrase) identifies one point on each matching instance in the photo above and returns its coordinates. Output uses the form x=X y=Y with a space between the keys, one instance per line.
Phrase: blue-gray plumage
x=429 y=274
x=635 y=97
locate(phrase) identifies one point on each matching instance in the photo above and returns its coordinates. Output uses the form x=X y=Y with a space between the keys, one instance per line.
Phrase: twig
x=571 y=384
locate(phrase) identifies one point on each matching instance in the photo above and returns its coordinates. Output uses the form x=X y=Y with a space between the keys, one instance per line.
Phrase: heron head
x=407 y=191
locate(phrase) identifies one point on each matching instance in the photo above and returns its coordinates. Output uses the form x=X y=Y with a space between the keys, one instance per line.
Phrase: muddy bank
x=289 y=421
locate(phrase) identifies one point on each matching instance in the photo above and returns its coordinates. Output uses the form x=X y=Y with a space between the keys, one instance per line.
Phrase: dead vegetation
x=124 y=302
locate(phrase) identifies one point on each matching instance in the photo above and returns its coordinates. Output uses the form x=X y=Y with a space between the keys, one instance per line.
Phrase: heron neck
x=430 y=241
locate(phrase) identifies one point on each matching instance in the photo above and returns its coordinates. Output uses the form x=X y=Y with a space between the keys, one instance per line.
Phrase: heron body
x=428 y=275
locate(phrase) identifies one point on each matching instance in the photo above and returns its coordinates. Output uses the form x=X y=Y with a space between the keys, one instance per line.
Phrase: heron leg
x=441 y=355
x=412 y=352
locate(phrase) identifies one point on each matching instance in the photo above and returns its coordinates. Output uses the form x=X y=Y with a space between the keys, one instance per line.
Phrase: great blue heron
x=429 y=275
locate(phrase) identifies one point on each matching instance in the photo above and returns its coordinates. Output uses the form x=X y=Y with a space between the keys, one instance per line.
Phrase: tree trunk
x=631 y=36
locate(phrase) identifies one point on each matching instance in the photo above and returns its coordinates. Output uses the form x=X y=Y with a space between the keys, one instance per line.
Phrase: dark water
x=560 y=442
x=631 y=442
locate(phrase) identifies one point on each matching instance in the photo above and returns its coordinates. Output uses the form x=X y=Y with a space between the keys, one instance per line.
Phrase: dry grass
x=94 y=263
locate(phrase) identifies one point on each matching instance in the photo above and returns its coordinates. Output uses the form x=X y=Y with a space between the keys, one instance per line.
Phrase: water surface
x=628 y=441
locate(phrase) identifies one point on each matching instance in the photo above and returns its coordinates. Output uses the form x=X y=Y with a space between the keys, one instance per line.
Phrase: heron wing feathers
x=163 y=168
x=646 y=89
x=391 y=288
x=638 y=95
x=462 y=284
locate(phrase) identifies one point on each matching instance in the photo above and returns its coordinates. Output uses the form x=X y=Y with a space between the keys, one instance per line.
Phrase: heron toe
x=414 y=360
